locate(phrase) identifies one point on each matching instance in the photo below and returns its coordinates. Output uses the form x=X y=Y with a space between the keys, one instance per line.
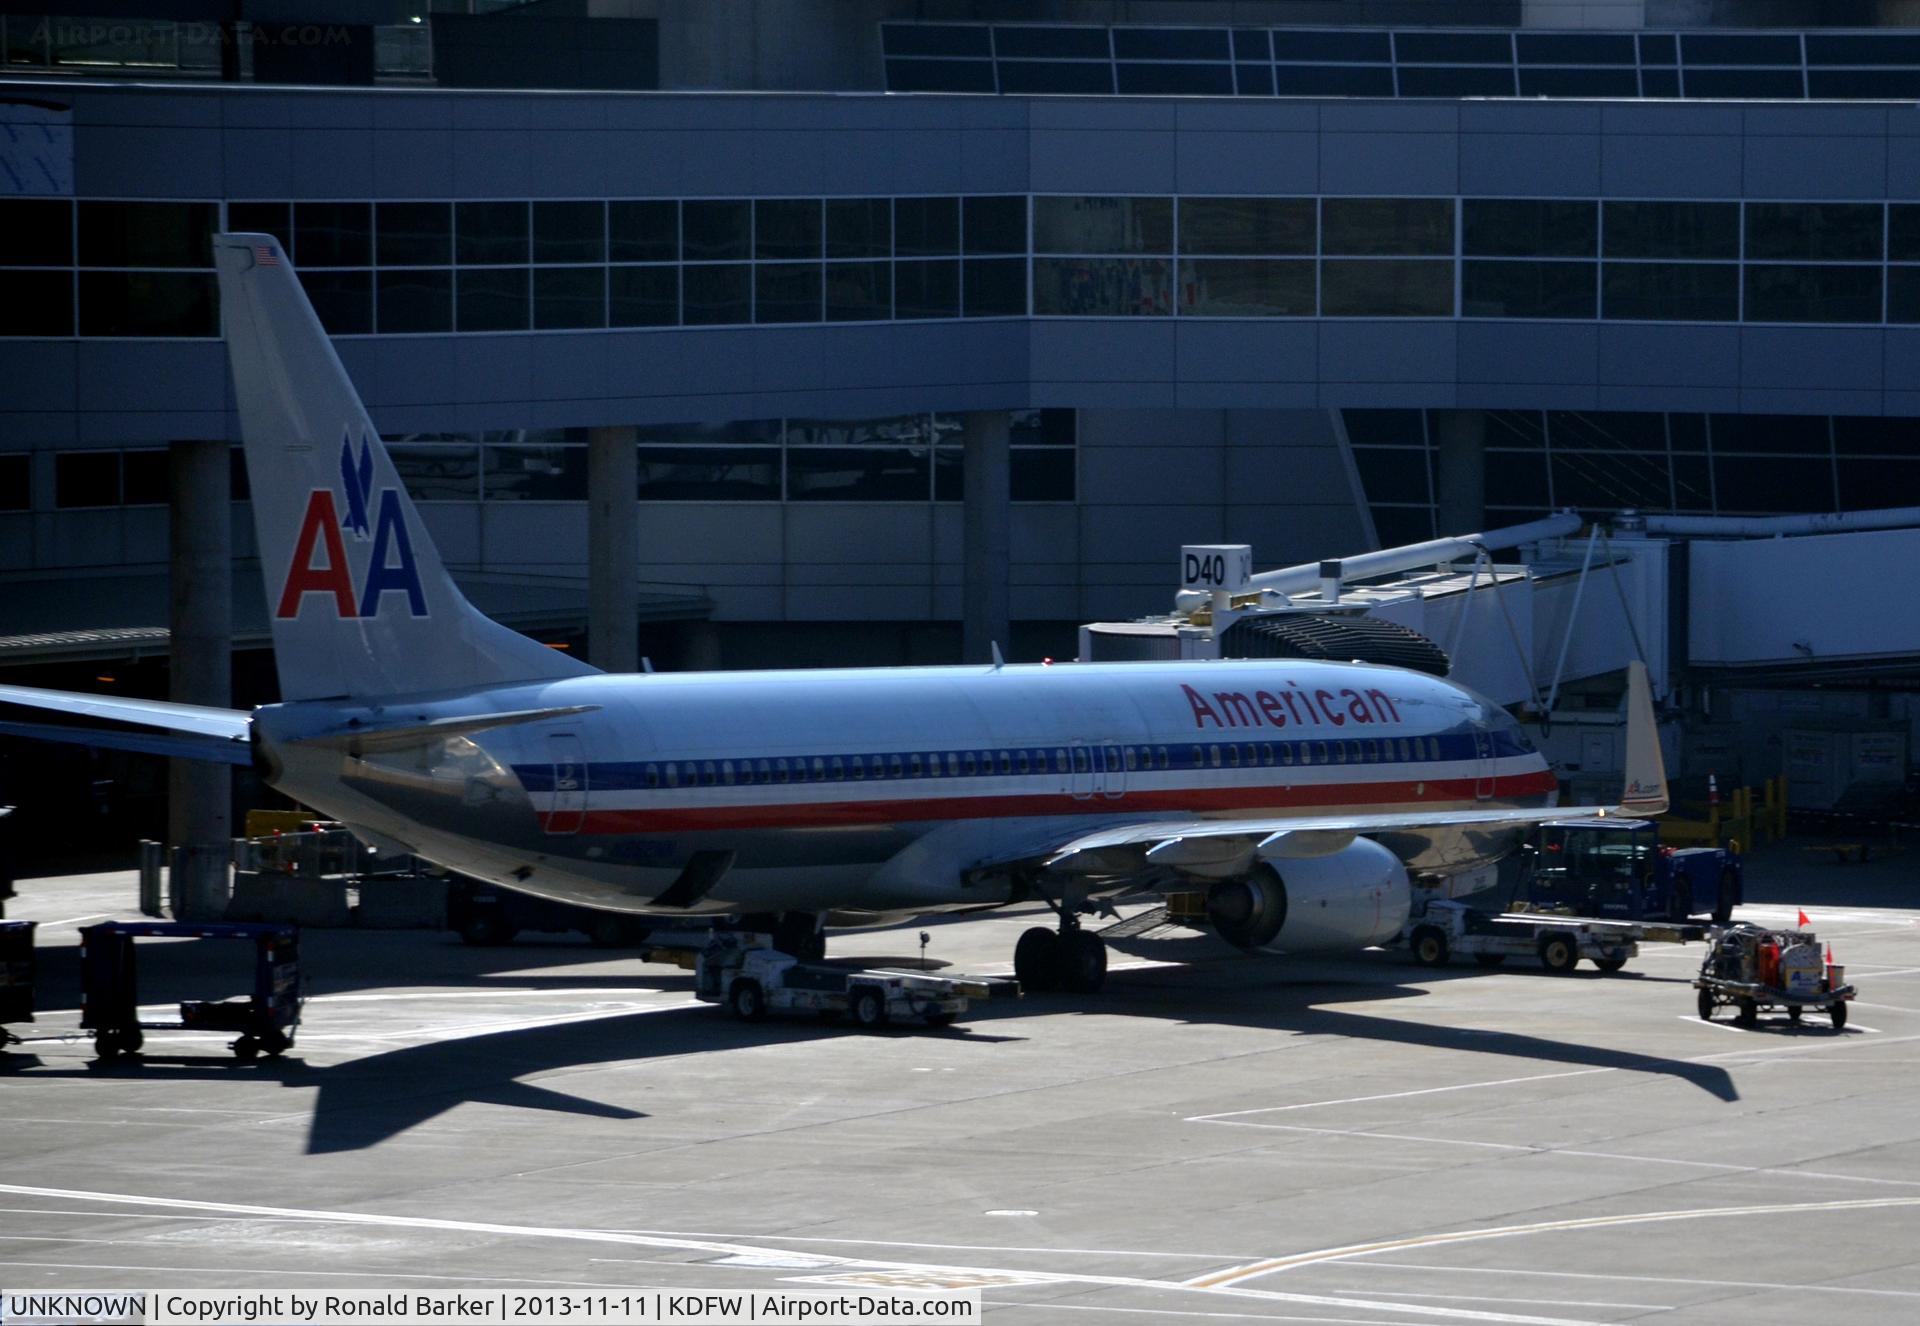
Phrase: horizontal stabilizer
x=366 y=739
x=230 y=724
x=179 y=745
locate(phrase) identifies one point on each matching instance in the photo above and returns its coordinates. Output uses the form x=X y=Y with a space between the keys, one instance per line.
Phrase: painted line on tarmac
x=1427 y=1269
x=1393 y=1095
x=75 y=920
x=1240 y=1274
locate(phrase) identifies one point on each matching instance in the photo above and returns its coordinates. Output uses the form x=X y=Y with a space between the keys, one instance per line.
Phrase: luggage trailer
x=1443 y=928
x=110 y=988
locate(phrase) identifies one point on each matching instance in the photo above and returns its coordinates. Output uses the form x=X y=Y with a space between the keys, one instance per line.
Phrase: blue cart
x=110 y=996
x=16 y=976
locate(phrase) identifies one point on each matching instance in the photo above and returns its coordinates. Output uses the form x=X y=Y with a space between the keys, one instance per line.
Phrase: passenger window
x=1253 y=756
x=1319 y=752
x=1133 y=759
x=707 y=774
x=1339 y=752
x=953 y=765
x=673 y=774
x=819 y=770
x=726 y=772
x=857 y=765
x=893 y=766
x=1213 y=756
x=1160 y=758
x=970 y=763
x=653 y=776
x=1199 y=758
x=1025 y=761
x=1006 y=762
x=913 y=765
x=836 y=770
x=1403 y=750
x=1286 y=752
x=780 y=771
x=1060 y=759
x=1082 y=762
x=1233 y=756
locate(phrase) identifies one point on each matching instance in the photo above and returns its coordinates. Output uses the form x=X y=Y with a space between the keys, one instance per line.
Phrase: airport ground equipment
x=1754 y=969
x=1443 y=929
x=752 y=978
x=1617 y=869
x=110 y=993
x=16 y=976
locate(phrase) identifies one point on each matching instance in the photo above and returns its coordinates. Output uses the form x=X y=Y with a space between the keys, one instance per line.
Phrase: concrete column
x=613 y=550
x=200 y=620
x=987 y=522
x=1460 y=471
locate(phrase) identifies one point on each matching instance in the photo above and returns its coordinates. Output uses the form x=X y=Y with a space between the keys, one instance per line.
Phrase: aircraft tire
x=1036 y=960
x=1083 y=962
x=246 y=1049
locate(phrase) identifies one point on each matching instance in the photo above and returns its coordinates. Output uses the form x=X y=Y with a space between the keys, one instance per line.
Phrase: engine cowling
x=1346 y=900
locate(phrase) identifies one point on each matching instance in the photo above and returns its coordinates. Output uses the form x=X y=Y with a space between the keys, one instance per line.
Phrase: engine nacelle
x=1346 y=900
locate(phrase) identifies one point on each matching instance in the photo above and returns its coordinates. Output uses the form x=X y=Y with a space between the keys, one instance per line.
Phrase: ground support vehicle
x=1753 y=969
x=110 y=993
x=752 y=978
x=1441 y=929
x=1616 y=868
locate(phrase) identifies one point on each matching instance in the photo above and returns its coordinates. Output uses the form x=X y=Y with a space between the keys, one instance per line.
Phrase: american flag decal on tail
x=263 y=254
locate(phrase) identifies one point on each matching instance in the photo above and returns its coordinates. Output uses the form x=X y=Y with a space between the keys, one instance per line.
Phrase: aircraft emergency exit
x=1300 y=796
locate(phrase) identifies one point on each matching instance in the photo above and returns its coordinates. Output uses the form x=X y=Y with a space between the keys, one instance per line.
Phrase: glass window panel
x=1692 y=483
x=1770 y=433
x=1735 y=84
x=1519 y=479
x=787 y=292
x=1324 y=45
x=859 y=291
x=16 y=482
x=1024 y=77
x=995 y=287
x=1386 y=225
x=1876 y=436
x=1253 y=80
x=1247 y=288
x=1101 y=287
x=1386 y=289
x=1394 y=474
x=565 y=297
x=86 y=478
x=763 y=432
x=1863 y=84
x=437 y=472
x=643 y=231
x=1392 y=428
x=1740 y=48
x=1306 y=80
x=535 y=473
x=1042 y=428
x=490 y=232
x=1611 y=482
x=147 y=234
x=1812 y=294
x=886 y=430
x=1672 y=230
x=147 y=304
x=935 y=39
x=1175 y=80
x=274 y=219
x=1687 y=432
x=642 y=296
x=1251 y=44
x=864 y=474
x=415 y=301
x=709 y=474
x=1903 y=232
x=1608 y=430
x=859 y=228
x=1102 y=225
x=713 y=229
x=1564 y=82
x=1516 y=428
x=1528 y=228
x=491 y=299
x=36 y=302
x=1784 y=485
x=143 y=478
x=1866 y=484
x=344 y=300
x=1880 y=47
x=1817 y=231
x=1903 y=294
x=940 y=76
x=926 y=226
x=1671 y=292
x=332 y=234
x=570 y=232
x=1040 y=476
x=1082 y=43
x=1574 y=47
x=1395 y=526
x=995 y=225
x=926 y=289
x=1659 y=48
x=1246 y=225
x=786 y=228
x=717 y=293
x=1659 y=82
x=1170 y=44
x=950 y=475
x=1456 y=81
x=414 y=234
x=1510 y=289
x=1453 y=47
x=39 y=232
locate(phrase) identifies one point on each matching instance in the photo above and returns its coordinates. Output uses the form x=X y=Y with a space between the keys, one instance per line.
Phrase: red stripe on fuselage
x=1199 y=800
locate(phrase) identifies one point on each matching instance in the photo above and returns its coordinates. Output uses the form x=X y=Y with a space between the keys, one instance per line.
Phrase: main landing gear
x=1068 y=959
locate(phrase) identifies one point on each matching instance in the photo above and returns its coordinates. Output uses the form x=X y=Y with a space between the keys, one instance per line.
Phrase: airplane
x=1303 y=797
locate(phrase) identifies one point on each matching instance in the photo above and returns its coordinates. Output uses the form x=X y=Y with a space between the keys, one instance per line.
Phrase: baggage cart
x=110 y=996
x=1753 y=970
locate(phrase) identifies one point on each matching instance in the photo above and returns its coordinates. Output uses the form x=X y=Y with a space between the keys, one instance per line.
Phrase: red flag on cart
x=1804 y=922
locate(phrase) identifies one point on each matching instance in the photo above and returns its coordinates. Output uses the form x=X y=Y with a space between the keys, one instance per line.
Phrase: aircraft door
x=569 y=783
x=1081 y=780
x=1482 y=764
x=1113 y=771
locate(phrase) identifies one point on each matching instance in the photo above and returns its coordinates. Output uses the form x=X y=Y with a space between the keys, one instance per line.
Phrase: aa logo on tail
x=320 y=564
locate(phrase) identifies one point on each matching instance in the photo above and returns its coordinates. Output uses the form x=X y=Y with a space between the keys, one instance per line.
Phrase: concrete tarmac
x=1212 y=1138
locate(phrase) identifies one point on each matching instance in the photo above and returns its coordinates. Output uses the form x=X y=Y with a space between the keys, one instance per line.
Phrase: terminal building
x=901 y=314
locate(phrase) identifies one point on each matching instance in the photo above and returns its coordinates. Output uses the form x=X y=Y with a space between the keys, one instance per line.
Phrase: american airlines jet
x=1301 y=796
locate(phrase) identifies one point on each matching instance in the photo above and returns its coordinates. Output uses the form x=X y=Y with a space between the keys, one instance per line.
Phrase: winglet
x=1645 y=792
x=999 y=661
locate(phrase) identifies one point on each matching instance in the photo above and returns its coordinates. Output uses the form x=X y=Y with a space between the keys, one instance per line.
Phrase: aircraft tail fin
x=1645 y=792
x=360 y=603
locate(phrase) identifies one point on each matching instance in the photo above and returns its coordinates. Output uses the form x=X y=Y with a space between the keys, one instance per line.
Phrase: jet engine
x=1349 y=899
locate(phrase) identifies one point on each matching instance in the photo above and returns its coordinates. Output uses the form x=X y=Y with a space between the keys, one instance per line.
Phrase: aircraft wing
x=191 y=731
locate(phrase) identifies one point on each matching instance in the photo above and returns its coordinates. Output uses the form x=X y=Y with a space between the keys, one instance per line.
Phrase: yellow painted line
x=1238 y=1274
